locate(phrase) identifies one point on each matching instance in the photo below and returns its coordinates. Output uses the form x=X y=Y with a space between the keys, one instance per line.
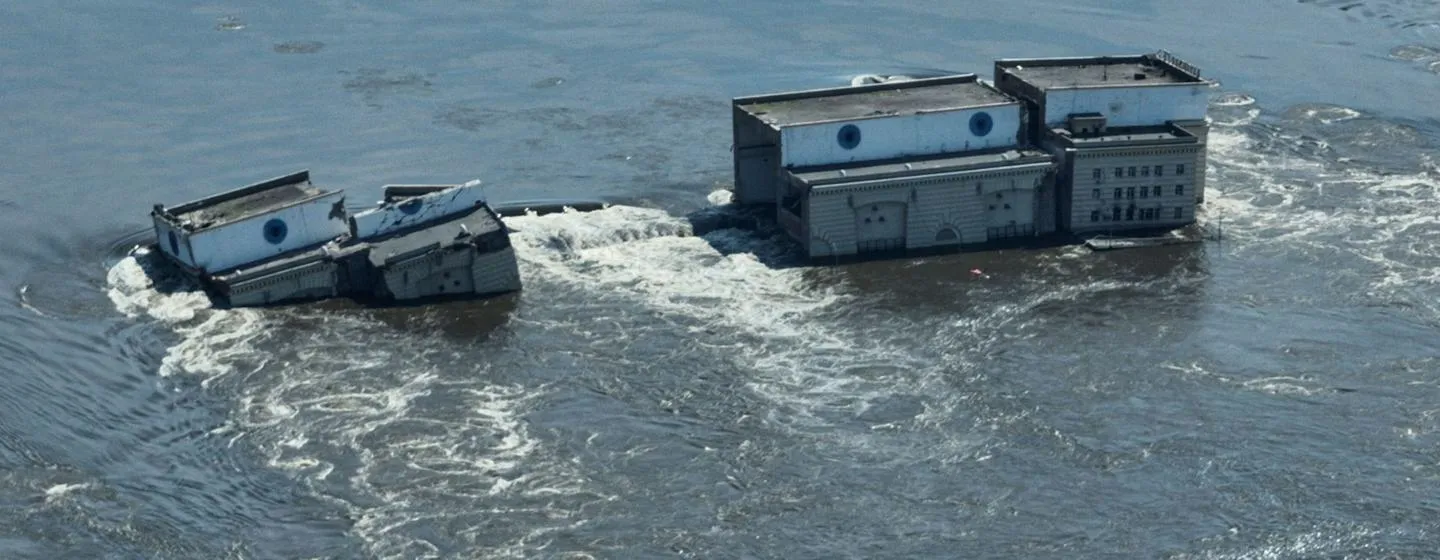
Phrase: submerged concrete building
x=286 y=240
x=915 y=164
x=1055 y=146
x=1128 y=134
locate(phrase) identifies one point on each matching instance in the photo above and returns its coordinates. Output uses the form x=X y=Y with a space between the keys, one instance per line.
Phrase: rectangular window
x=1180 y=169
x=1115 y=214
x=1159 y=170
x=1118 y=191
x=1119 y=172
x=1144 y=214
x=1179 y=190
x=1130 y=214
x=1157 y=190
x=1144 y=192
x=1177 y=213
x=1130 y=193
x=1145 y=171
x=1095 y=193
x=1094 y=215
x=1098 y=175
x=1132 y=171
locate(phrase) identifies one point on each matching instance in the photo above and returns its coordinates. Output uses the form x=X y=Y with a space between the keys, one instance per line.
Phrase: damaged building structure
x=1051 y=148
x=286 y=240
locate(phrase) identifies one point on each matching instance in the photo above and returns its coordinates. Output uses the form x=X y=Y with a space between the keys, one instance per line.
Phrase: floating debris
x=230 y=23
x=299 y=47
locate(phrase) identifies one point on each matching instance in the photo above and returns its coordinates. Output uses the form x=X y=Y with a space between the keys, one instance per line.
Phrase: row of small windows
x=1144 y=171
x=1145 y=192
x=1146 y=214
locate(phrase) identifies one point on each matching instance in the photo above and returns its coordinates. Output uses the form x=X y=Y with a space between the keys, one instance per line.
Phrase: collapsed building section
x=285 y=240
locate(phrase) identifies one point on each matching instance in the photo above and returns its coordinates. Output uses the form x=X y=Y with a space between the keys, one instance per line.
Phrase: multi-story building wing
x=914 y=164
x=1128 y=134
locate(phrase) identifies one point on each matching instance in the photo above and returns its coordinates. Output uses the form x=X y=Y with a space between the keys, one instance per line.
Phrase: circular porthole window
x=275 y=231
x=849 y=136
x=981 y=123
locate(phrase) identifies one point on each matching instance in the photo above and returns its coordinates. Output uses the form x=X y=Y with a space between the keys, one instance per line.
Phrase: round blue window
x=981 y=123
x=849 y=136
x=275 y=231
x=174 y=244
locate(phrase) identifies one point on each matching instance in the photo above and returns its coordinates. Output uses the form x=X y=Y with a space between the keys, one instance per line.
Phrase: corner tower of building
x=1128 y=132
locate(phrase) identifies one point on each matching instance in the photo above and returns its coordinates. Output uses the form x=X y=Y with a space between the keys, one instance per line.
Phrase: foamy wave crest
x=778 y=323
x=1233 y=99
x=210 y=339
x=793 y=330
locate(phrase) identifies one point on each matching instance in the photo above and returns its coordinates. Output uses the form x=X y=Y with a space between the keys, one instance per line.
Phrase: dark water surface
x=651 y=393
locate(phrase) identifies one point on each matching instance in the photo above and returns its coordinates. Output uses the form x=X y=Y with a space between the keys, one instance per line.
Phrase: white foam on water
x=210 y=339
x=1316 y=542
x=60 y=491
x=1384 y=218
x=1233 y=99
x=314 y=405
x=720 y=197
x=798 y=340
x=686 y=276
x=422 y=440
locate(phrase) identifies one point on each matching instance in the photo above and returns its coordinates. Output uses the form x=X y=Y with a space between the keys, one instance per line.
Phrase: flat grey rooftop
x=859 y=172
x=891 y=98
x=1114 y=73
x=248 y=205
x=1128 y=136
x=439 y=234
